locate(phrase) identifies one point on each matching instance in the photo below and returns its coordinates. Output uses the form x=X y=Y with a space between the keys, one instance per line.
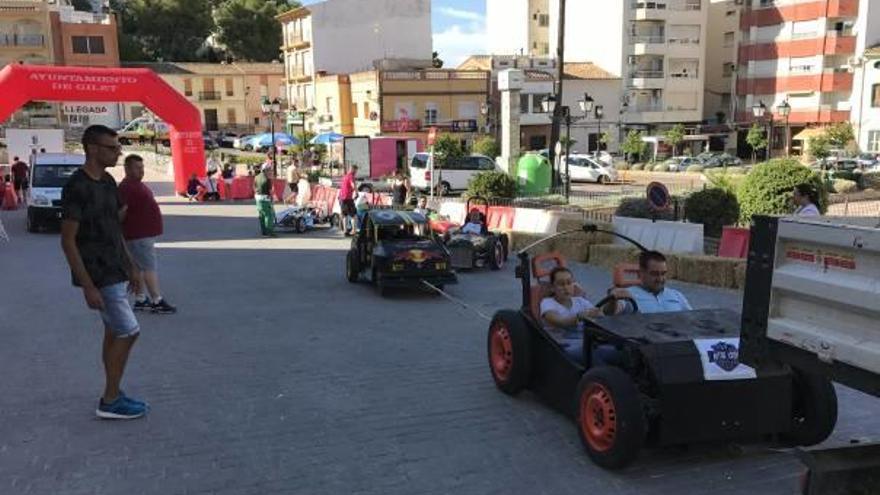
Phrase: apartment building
x=228 y=96
x=345 y=37
x=335 y=109
x=721 y=47
x=656 y=48
x=866 y=100
x=804 y=52
x=519 y=27
x=26 y=37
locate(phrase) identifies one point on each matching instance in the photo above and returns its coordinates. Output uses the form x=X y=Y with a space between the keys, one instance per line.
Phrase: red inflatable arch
x=20 y=84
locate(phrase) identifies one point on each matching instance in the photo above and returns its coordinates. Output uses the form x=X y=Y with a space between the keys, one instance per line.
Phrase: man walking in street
x=263 y=189
x=346 y=201
x=20 y=172
x=141 y=225
x=91 y=237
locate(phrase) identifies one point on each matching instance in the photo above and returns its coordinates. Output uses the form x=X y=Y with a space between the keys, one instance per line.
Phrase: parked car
x=210 y=142
x=227 y=139
x=452 y=177
x=49 y=175
x=867 y=160
x=715 y=160
x=585 y=168
x=680 y=163
x=240 y=142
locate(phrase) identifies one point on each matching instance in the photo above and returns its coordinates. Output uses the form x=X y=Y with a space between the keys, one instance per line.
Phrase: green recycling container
x=533 y=174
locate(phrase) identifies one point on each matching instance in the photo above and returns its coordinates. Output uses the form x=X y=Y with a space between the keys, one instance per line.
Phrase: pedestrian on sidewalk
x=91 y=236
x=263 y=190
x=141 y=226
x=346 y=201
x=20 y=171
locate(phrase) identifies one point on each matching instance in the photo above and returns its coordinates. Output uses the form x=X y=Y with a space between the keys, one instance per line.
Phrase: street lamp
x=485 y=110
x=548 y=104
x=759 y=110
x=785 y=110
x=586 y=104
x=271 y=110
x=599 y=112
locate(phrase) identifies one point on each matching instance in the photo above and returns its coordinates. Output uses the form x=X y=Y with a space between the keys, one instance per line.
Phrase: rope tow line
x=456 y=301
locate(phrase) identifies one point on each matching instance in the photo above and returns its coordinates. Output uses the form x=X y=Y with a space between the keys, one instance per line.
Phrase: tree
x=604 y=139
x=248 y=29
x=436 y=61
x=171 y=30
x=675 y=136
x=567 y=143
x=487 y=145
x=757 y=139
x=819 y=148
x=448 y=149
x=633 y=146
x=840 y=135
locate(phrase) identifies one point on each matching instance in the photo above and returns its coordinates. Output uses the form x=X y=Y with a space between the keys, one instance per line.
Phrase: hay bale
x=739 y=275
x=707 y=270
x=574 y=247
x=610 y=255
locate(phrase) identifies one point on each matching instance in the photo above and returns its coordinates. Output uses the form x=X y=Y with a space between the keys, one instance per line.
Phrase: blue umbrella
x=327 y=138
x=281 y=139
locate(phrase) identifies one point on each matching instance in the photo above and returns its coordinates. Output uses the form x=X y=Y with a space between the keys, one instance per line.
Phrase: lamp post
x=548 y=104
x=785 y=110
x=485 y=110
x=759 y=110
x=599 y=113
x=586 y=106
x=271 y=110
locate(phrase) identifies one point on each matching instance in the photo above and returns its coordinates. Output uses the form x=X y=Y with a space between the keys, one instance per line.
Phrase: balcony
x=297 y=42
x=648 y=39
x=656 y=106
x=209 y=95
x=23 y=40
x=646 y=74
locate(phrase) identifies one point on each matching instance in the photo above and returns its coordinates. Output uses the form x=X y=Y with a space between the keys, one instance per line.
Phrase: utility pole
x=557 y=111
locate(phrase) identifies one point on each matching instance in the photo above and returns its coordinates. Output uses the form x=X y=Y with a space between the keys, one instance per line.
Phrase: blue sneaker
x=121 y=408
x=134 y=401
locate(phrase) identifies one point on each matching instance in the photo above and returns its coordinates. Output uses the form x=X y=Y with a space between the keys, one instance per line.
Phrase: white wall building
x=348 y=36
x=866 y=104
x=657 y=49
x=721 y=44
x=518 y=27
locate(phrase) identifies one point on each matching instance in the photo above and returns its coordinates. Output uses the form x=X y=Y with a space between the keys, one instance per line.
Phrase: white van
x=48 y=175
x=454 y=177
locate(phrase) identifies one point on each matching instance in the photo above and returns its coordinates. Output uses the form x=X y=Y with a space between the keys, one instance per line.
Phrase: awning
x=807 y=134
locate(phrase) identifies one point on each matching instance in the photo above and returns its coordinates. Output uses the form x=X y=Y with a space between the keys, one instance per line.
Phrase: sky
x=459 y=29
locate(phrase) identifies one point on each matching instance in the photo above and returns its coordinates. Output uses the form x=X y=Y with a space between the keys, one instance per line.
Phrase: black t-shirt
x=95 y=205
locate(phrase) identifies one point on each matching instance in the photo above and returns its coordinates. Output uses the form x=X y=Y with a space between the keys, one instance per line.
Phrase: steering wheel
x=605 y=300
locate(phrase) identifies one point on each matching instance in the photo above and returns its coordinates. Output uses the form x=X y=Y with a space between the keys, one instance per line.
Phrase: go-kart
x=476 y=250
x=394 y=249
x=678 y=379
x=297 y=219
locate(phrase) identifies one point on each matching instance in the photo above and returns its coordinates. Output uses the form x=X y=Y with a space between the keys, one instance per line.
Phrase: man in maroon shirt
x=141 y=225
x=346 y=202
x=20 y=178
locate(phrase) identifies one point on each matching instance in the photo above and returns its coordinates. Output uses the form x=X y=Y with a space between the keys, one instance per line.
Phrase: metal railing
x=209 y=95
x=653 y=39
x=22 y=40
x=646 y=74
x=653 y=107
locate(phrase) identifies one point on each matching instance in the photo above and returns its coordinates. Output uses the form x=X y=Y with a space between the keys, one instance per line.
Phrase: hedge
x=714 y=208
x=844 y=186
x=768 y=188
x=639 y=208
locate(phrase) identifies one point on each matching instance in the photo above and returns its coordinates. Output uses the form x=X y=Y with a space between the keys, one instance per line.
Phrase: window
x=874 y=141
x=354 y=110
x=468 y=110
x=875 y=96
x=230 y=116
x=328 y=105
x=523 y=103
x=87 y=44
x=543 y=20
x=536 y=103
x=728 y=39
x=230 y=87
x=727 y=69
x=366 y=109
x=431 y=113
x=188 y=87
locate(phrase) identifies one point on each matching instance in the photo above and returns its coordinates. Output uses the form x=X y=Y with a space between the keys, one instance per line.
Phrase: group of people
x=108 y=236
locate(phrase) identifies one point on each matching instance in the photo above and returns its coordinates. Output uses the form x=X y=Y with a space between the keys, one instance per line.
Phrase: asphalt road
x=278 y=376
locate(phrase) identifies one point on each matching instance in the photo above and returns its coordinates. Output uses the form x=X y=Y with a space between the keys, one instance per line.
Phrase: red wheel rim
x=501 y=352
x=598 y=417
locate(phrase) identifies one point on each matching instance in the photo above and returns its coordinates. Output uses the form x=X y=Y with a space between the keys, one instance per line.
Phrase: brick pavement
x=277 y=376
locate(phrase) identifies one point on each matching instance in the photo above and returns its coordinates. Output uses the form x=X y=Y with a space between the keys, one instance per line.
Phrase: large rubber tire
x=496 y=256
x=610 y=419
x=335 y=220
x=352 y=267
x=300 y=225
x=509 y=350
x=814 y=409
x=602 y=179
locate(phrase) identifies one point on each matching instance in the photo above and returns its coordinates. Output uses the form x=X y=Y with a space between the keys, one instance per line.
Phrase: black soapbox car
x=476 y=250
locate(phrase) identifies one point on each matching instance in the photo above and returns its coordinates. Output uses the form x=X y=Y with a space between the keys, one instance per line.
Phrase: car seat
x=542 y=265
x=626 y=275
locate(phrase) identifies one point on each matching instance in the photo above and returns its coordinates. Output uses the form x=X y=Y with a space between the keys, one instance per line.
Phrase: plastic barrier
x=535 y=221
x=501 y=218
x=223 y=188
x=666 y=237
x=734 y=243
x=453 y=211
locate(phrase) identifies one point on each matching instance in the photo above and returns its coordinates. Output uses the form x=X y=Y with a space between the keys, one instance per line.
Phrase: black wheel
x=352 y=267
x=124 y=141
x=166 y=143
x=335 y=221
x=814 y=409
x=610 y=419
x=510 y=356
x=602 y=179
x=496 y=256
x=32 y=226
x=300 y=225
x=506 y=243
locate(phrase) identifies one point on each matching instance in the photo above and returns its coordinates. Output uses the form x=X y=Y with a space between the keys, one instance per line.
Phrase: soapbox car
x=476 y=250
x=678 y=379
x=395 y=249
x=297 y=219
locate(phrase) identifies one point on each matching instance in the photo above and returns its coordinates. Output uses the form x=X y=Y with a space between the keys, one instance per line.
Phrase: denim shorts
x=143 y=252
x=117 y=313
